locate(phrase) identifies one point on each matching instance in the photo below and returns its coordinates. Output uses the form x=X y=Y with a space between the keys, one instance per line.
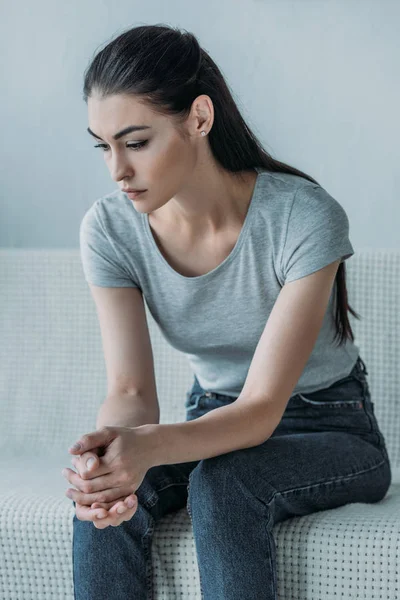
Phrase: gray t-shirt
x=292 y=228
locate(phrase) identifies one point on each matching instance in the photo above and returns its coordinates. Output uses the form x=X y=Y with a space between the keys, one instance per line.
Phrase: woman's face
x=157 y=159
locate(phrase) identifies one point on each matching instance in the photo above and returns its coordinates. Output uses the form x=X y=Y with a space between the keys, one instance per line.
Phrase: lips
x=133 y=195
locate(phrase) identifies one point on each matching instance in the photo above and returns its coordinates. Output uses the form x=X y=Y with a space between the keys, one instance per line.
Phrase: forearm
x=125 y=410
x=221 y=430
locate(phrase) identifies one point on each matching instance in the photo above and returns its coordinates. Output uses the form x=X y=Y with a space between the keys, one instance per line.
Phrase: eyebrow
x=122 y=132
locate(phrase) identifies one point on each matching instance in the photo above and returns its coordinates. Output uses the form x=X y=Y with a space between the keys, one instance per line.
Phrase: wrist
x=150 y=433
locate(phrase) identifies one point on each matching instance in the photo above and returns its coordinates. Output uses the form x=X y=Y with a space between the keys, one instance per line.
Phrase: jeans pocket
x=345 y=393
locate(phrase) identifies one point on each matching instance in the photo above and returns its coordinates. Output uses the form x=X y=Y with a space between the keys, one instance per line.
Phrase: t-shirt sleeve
x=317 y=233
x=100 y=261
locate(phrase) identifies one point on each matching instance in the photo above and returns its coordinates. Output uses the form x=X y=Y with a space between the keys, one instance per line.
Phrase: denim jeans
x=327 y=451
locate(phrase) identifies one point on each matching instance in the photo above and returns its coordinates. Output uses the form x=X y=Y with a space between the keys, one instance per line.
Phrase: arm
x=280 y=357
x=127 y=410
x=131 y=399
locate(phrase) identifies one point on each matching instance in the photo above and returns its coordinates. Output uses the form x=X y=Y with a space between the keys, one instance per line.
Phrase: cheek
x=171 y=162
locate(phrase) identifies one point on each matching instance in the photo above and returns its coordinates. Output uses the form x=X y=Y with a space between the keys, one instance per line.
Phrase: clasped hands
x=121 y=461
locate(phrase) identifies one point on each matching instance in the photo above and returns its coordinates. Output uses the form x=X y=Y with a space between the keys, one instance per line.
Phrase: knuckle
x=124 y=476
x=87 y=487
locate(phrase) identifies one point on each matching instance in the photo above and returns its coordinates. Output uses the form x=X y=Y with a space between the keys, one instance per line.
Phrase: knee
x=210 y=478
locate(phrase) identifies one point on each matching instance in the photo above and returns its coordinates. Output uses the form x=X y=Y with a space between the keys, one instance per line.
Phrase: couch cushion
x=349 y=552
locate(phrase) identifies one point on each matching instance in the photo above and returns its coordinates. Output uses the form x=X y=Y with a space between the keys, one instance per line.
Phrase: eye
x=134 y=147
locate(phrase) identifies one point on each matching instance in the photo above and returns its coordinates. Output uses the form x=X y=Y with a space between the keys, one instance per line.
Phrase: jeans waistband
x=196 y=388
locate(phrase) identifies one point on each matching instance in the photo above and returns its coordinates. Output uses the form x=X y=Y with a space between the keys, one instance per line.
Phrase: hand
x=104 y=518
x=119 y=473
x=85 y=513
x=82 y=465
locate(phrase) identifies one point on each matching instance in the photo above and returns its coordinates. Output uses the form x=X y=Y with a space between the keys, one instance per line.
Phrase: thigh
x=326 y=451
x=297 y=474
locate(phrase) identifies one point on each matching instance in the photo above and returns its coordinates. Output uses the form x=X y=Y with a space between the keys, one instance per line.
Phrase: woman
x=241 y=260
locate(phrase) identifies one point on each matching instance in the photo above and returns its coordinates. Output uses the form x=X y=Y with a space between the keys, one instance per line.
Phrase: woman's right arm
x=131 y=399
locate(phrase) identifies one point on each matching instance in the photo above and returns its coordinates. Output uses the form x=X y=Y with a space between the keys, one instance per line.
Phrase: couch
x=52 y=382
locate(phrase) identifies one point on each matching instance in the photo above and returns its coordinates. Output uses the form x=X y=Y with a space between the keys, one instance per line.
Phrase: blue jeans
x=327 y=451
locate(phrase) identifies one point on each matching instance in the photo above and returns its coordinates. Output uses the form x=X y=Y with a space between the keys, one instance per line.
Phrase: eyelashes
x=134 y=147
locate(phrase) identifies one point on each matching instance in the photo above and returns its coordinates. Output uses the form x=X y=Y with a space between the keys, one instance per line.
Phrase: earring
x=203 y=133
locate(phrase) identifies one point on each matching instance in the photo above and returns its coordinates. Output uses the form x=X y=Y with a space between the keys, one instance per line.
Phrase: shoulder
x=282 y=187
x=277 y=193
x=112 y=213
x=297 y=196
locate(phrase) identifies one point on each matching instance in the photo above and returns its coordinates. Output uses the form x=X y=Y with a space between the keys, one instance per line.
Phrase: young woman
x=240 y=259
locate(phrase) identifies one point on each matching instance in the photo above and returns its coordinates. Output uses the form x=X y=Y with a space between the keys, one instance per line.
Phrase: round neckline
x=231 y=255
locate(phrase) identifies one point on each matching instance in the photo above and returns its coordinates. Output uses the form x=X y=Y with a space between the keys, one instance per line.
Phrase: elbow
x=261 y=416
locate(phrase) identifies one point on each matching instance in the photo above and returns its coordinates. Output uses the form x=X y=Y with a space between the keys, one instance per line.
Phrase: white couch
x=52 y=381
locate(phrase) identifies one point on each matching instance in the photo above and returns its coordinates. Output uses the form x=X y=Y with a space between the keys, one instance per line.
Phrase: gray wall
x=318 y=81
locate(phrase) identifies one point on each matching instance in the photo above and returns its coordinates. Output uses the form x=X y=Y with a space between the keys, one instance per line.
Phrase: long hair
x=167 y=69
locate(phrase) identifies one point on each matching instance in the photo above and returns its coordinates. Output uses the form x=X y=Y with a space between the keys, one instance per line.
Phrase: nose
x=120 y=169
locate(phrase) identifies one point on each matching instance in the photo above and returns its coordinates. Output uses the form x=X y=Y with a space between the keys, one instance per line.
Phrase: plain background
x=316 y=80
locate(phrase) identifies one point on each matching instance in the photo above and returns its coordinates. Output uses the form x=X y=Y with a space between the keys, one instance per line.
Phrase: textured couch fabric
x=52 y=382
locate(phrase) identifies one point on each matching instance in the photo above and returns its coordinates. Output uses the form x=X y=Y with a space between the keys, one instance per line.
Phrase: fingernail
x=121 y=509
x=90 y=462
x=130 y=502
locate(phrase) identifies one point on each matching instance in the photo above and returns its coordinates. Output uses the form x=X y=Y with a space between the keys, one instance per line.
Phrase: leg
x=115 y=562
x=326 y=452
x=236 y=498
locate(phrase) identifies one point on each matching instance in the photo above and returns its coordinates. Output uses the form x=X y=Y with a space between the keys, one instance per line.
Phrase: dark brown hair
x=166 y=68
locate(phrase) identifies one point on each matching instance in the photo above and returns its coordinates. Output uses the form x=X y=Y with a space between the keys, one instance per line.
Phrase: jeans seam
x=335 y=480
x=147 y=540
x=269 y=525
x=170 y=484
x=191 y=521
x=380 y=443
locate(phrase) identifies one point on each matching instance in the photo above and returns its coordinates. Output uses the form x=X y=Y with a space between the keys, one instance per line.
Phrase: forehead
x=112 y=113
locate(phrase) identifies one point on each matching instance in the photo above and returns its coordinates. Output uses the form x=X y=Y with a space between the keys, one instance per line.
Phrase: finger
x=82 y=459
x=121 y=512
x=87 y=499
x=89 y=441
x=98 y=489
x=89 y=463
x=85 y=513
x=113 y=518
x=107 y=505
x=130 y=501
x=95 y=469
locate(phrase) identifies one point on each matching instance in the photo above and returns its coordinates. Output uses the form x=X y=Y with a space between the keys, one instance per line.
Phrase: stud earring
x=203 y=133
